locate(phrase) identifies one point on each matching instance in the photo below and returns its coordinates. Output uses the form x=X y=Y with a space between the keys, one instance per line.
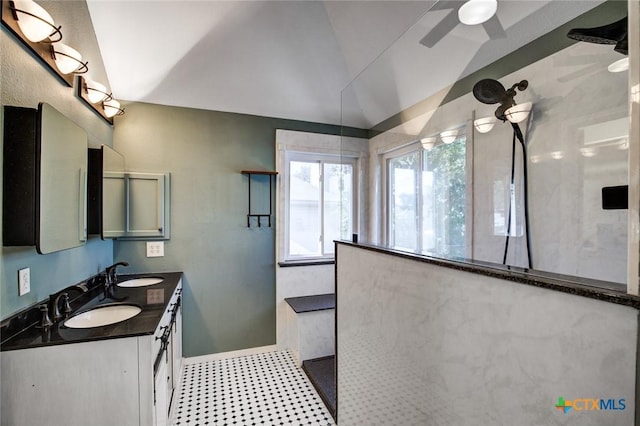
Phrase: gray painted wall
x=229 y=286
x=24 y=82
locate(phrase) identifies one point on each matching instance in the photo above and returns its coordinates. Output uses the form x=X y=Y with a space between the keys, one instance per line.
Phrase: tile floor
x=264 y=389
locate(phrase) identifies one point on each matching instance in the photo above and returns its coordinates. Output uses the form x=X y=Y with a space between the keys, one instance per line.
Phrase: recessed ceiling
x=292 y=59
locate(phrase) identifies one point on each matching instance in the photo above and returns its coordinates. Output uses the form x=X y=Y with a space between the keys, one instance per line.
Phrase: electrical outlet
x=155 y=248
x=24 y=281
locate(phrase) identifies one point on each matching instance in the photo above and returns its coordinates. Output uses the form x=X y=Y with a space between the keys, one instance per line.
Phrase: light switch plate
x=24 y=281
x=155 y=248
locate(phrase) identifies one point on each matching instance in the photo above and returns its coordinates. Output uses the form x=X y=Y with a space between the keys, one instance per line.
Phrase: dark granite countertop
x=586 y=287
x=20 y=331
x=318 y=302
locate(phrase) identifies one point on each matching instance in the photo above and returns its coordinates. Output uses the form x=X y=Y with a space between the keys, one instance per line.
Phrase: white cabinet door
x=177 y=346
x=161 y=402
x=148 y=205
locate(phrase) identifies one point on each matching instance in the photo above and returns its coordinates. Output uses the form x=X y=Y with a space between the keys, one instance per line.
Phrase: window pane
x=304 y=208
x=444 y=199
x=338 y=203
x=403 y=206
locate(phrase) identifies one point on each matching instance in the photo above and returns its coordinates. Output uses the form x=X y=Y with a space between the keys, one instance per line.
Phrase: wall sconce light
x=96 y=96
x=475 y=12
x=68 y=59
x=485 y=124
x=35 y=28
x=519 y=112
x=96 y=92
x=428 y=143
x=112 y=108
x=35 y=23
x=448 y=136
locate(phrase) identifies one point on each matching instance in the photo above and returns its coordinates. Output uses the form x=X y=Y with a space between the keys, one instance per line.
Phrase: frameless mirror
x=61 y=199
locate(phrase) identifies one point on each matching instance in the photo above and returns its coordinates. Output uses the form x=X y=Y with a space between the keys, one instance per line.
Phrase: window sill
x=306 y=262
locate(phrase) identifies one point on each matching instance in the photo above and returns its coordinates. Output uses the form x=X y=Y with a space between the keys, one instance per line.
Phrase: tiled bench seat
x=311 y=326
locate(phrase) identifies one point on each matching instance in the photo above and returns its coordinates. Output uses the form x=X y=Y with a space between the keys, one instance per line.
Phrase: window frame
x=320 y=158
x=413 y=147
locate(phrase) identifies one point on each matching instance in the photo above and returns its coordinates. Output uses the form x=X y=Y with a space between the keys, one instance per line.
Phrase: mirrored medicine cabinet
x=45 y=179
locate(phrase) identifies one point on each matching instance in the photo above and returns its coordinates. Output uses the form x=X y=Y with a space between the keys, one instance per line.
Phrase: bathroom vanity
x=119 y=374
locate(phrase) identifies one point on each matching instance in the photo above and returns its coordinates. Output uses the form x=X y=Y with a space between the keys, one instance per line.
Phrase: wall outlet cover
x=155 y=248
x=24 y=281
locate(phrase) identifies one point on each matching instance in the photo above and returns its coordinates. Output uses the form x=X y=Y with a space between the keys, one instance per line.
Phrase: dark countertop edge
x=313 y=303
x=586 y=287
x=308 y=262
x=121 y=277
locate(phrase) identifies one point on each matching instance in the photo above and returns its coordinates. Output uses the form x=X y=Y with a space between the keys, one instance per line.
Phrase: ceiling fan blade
x=441 y=29
x=494 y=28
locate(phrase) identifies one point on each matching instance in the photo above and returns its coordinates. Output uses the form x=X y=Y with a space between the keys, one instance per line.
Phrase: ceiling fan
x=492 y=25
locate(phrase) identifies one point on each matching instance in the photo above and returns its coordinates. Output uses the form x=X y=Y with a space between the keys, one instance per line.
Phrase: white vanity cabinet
x=100 y=383
x=166 y=351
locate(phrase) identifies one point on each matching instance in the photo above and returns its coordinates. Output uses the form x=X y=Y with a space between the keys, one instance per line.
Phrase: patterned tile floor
x=264 y=389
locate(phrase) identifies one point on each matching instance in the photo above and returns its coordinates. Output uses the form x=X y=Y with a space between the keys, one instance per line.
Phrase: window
x=426 y=199
x=320 y=204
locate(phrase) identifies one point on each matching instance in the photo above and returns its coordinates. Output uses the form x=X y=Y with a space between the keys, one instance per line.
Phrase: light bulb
x=35 y=23
x=112 y=108
x=67 y=58
x=519 y=112
x=449 y=136
x=475 y=12
x=485 y=124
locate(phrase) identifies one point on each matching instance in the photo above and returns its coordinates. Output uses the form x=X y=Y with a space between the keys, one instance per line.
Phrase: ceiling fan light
x=68 y=59
x=112 y=108
x=428 y=143
x=519 y=112
x=96 y=92
x=475 y=12
x=449 y=136
x=35 y=23
x=485 y=124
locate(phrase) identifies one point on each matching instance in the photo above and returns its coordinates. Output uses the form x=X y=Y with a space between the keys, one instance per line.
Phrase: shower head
x=489 y=91
x=614 y=33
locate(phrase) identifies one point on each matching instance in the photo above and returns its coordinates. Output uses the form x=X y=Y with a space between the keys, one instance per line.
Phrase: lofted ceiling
x=292 y=59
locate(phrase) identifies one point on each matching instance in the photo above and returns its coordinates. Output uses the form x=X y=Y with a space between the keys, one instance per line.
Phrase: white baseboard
x=231 y=354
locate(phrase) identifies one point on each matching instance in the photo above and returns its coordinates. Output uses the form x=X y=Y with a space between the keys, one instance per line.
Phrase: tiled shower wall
x=440 y=346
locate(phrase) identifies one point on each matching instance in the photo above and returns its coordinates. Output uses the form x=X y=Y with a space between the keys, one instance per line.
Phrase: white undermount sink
x=141 y=282
x=103 y=315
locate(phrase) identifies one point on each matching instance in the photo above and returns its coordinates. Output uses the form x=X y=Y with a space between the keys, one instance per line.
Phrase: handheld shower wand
x=490 y=91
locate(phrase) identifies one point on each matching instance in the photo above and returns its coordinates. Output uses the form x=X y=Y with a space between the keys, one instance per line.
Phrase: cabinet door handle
x=162 y=337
